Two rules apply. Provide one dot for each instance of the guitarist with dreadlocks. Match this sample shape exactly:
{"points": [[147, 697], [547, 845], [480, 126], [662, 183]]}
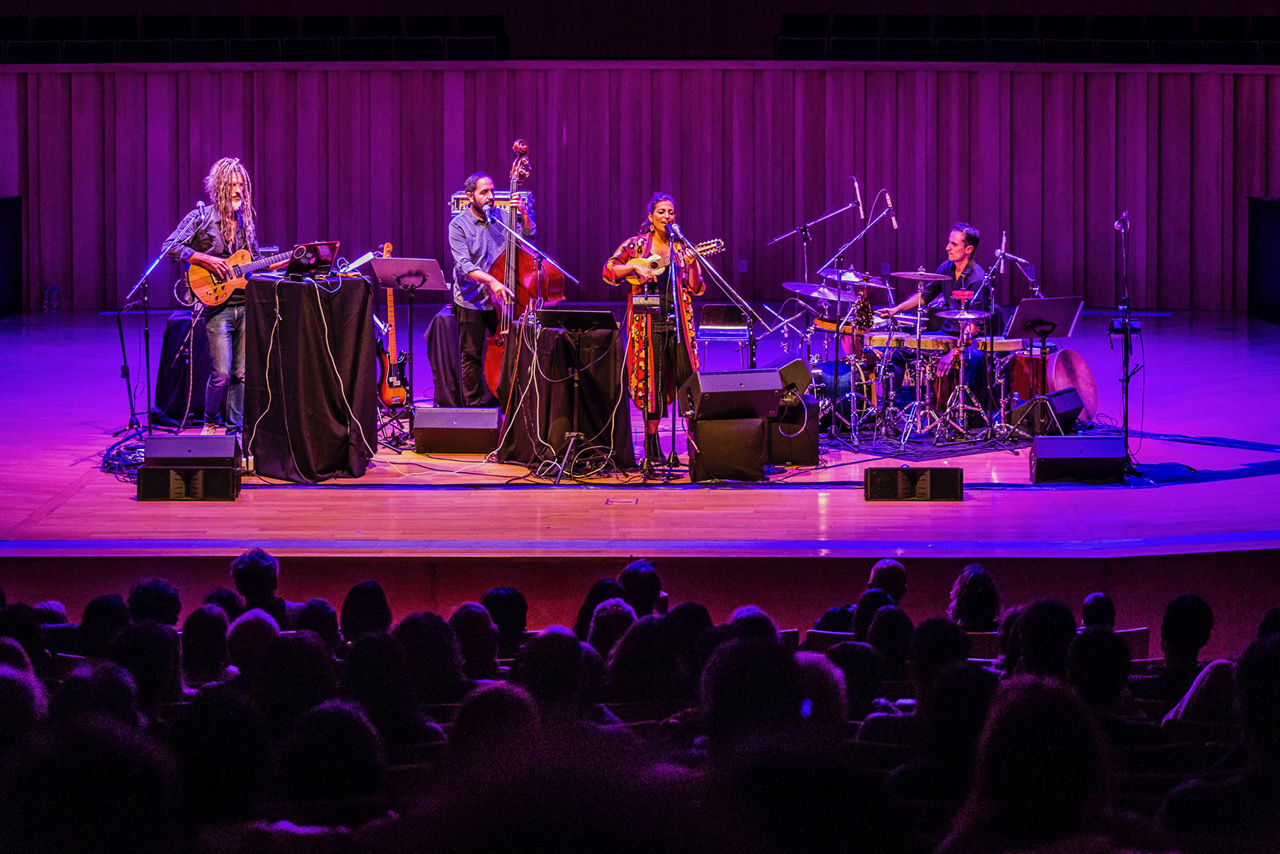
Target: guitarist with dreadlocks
{"points": [[206, 237]]}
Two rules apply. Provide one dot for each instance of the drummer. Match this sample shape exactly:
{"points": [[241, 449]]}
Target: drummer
{"points": [[963, 274]]}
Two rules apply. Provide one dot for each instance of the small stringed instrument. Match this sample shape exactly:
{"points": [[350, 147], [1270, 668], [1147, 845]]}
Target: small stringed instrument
{"points": [[212, 291], [657, 263], [392, 376]]}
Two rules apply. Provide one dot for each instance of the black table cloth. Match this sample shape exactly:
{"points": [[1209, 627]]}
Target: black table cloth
{"points": [[310, 407], [536, 394]]}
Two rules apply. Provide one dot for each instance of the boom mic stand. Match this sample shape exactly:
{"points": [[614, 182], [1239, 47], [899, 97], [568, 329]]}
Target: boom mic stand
{"points": [[1127, 329], [143, 284]]}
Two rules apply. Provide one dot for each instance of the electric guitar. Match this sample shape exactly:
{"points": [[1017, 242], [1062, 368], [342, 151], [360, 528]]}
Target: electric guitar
{"points": [[657, 264], [212, 291], [392, 388]]}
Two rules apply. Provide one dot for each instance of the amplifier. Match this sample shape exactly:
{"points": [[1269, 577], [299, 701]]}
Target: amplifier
{"points": [[188, 483], [501, 198], [1094, 459], [913, 484], [194, 450], [462, 430], [731, 394], [732, 449]]}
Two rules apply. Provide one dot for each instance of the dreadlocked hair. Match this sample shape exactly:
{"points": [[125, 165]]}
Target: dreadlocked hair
{"points": [[218, 185]]}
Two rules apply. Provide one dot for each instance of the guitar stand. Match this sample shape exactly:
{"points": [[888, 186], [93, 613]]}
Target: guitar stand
{"points": [[390, 433]]}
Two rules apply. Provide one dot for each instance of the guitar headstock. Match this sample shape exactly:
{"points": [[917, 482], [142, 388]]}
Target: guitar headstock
{"points": [[386, 250], [710, 247]]}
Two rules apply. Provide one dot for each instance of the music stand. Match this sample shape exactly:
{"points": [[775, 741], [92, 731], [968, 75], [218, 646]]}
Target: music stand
{"points": [[1041, 317], [577, 320], [409, 275]]}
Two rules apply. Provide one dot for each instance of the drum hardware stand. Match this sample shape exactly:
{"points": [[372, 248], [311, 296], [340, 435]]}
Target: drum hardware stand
{"points": [[1040, 402], [1127, 327], [1043, 317], [805, 236]]}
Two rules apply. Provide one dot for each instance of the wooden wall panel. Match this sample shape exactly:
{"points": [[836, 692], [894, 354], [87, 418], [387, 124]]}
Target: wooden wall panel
{"points": [[112, 157]]}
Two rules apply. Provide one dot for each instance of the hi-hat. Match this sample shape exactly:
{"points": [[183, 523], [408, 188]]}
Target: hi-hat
{"points": [[966, 314], [921, 276], [850, 277], [816, 291]]}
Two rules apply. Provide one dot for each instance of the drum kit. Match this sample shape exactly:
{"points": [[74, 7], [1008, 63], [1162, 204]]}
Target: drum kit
{"points": [[927, 395]]}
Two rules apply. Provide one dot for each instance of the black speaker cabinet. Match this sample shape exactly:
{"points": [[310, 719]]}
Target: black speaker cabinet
{"points": [[793, 437], [11, 255], [1066, 404], [1093, 459], [1264, 277], [193, 451], [913, 484], [795, 375], [732, 449], [444, 430], [731, 394], [187, 483]]}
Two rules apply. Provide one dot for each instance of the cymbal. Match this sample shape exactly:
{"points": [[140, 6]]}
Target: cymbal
{"points": [[817, 291], [916, 276], [966, 314], [850, 277]]}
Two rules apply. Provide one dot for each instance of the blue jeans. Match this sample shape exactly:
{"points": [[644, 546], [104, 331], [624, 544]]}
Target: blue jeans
{"points": [[226, 371]]}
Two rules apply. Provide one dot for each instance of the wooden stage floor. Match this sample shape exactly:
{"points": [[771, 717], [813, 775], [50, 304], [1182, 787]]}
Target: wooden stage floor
{"points": [[1207, 446]]}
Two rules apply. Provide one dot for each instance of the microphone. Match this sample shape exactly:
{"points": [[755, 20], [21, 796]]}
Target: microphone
{"points": [[1122, 224], [1012, 257], [893, 218], [488, 210], [1004, 247], [674, 229], [862, 212]]}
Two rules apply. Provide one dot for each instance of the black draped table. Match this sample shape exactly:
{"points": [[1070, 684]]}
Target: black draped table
{"points": [[537, 395], [310, 403]]}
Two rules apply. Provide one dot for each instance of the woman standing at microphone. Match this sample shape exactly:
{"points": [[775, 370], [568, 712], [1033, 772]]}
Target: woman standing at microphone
{"points": [[664, 277]]}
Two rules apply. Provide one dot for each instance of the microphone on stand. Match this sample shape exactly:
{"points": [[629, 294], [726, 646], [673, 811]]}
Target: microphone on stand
{"points": [[1122, 224], [893, 218], [857, 191], [674, 229], [1004, 247]]}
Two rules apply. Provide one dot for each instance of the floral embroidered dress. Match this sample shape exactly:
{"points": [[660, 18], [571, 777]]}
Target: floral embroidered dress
{"points": [[640, 326]]}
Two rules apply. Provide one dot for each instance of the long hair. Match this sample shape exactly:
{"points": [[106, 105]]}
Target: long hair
{"points": [[647, 226], [218, 185]]}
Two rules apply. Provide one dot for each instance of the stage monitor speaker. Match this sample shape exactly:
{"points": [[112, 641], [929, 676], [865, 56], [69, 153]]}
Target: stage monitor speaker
{"points": [[188, 483], [1089, 459], [193, 451], [913, 484], [793, 437], [720, 395], [796, 378], [1066, 404], [463, 430], [732, 449]]}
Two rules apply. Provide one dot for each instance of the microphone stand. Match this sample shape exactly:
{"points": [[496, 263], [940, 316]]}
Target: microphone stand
{"points": [[134, 427], [805, 237], [1127, 330]]}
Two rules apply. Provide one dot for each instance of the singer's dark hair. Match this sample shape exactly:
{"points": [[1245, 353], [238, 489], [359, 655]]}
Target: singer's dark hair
{"points": [[472, 180], [970, 233], [646, 226]]}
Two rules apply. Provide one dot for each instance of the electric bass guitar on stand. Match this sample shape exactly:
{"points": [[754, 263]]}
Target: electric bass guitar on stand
{"points": [[392, 376]]}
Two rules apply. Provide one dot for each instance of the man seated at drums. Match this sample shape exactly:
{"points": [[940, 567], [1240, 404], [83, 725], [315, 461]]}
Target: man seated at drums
{"points": [[964, 276]]}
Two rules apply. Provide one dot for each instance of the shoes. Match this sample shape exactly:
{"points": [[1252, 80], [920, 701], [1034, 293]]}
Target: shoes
{"points": [[208, 429], [233, 430]]}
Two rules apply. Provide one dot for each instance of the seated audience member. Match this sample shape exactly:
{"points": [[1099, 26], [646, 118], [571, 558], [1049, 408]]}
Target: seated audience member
{"points": [[250, 636], [23, 705], [1041, 778], [951, 719], [1045, 631], [1010, 646], [862, 667], [1213, 698], [1098, 668], [155, 599], [750, 622], [890, 635], [1238, 812], [935, 643], [297, 673], [751, 692], [93, 785], [376, 677], [318, 616], [1184, 630], [601, 591], [433, 657], [204, 647], [102, 618], [975, 602], [13, 655], [683, 625], [228, 600], [149, 651], [19, 622], [610, 622], [257, 576], [1098, 610], [365, 611], [478, 640], [224, 756], [333, 769], [641, 587], [642, 665], [887, 575], [1269, 624], [510, 612], [824, 707], [872, 601], [496, 735], [101, 688], [50, 612]]}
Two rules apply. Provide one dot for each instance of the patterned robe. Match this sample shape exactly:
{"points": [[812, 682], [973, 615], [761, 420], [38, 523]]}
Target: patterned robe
{"points": [[639, 326]]}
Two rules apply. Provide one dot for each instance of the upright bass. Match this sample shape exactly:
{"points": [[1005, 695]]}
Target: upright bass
{"points": [[532, 282]]}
